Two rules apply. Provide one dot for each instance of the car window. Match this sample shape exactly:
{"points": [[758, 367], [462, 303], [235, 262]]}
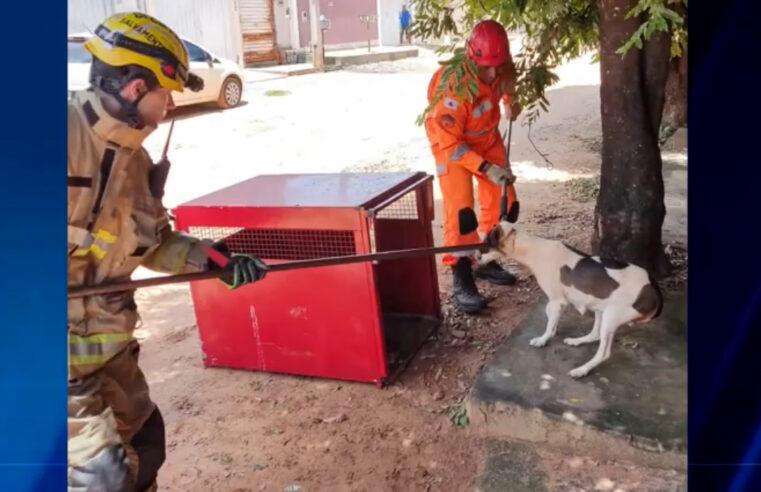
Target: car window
{"points": [[195, 53], [78, 53]]}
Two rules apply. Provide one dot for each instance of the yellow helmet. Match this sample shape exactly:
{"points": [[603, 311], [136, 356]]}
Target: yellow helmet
{"points": [[140, 40]]}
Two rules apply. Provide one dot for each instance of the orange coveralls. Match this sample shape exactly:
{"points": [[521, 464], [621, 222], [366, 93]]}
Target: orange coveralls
{"points": [[462, 135]]}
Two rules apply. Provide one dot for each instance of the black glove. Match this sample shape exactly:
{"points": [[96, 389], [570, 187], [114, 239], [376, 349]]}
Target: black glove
{"points": [[240, 269]]}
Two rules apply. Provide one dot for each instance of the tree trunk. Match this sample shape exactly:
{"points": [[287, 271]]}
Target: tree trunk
{"points": [[675, 109], [630, 206]]}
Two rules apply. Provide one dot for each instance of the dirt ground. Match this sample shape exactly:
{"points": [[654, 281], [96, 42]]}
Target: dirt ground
{"points": [[246, 431]]}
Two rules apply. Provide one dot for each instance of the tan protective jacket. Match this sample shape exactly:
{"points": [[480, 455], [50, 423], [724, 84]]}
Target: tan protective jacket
{"points": [[115, 224]]}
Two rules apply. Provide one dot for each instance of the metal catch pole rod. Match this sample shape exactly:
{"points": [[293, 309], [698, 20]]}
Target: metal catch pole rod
{"points": [[503, 198], [84, 291], [168, 138]]}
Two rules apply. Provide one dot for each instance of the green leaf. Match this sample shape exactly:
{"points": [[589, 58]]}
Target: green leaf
{"points": [[473, 86], [650, 27], [672, 16]]}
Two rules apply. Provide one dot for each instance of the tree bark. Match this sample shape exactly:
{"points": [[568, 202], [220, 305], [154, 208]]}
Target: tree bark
{"points": [[675, 109], [630, 206]]}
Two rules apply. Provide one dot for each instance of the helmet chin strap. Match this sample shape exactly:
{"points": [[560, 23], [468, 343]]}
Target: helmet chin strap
{"points": [[129, 111]]}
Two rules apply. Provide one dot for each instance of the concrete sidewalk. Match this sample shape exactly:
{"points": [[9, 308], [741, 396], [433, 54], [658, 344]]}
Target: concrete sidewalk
{"points": [[339, 58], [633, 407], [377, 54]]}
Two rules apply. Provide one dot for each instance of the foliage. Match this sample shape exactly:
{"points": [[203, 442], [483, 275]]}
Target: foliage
{"points": [[659, 18], [455, 80], [554, 31]]}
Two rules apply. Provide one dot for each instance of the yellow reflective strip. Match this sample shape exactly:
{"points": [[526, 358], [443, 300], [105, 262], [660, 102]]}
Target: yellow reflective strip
{"points": [[105, 235], [83, 360], [101, 338], [94, 248], [97, 251]]}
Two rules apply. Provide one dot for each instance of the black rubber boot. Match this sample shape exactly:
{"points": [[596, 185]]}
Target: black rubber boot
{"points": [[495, 274], [465, 291]]}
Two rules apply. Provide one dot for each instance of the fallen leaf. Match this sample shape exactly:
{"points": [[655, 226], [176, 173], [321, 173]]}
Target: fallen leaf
{"points": [[337, 419]]}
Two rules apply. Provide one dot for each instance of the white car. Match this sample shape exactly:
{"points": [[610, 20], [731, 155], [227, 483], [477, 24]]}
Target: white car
{"points": [[223, 79]]}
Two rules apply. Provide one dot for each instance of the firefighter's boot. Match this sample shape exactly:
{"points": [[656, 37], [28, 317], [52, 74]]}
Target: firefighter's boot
{"points": [[495, 274], [465, 291]]}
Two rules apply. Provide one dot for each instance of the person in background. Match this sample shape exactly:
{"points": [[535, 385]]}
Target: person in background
{"points": [[405, 19]]}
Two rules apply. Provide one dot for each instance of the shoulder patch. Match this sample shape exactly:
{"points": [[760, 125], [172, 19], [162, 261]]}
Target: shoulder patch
{"points": [[450, 103]]}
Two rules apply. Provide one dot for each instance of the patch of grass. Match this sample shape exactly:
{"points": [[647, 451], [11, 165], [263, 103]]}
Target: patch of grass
{"points": [[458, 415], [583, 189], [276, 93]]}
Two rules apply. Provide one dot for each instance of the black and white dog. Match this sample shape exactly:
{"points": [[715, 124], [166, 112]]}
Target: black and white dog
{"points": [[615, 291]]}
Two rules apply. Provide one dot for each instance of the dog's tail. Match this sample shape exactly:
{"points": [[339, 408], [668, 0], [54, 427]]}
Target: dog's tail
{"points": [[658, 292], [649, 302]]}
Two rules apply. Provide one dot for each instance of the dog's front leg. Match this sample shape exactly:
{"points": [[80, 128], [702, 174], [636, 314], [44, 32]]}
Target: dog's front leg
{"points": [[553, 310], [592, 336]]}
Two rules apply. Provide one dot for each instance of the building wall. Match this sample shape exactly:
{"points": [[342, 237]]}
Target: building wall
{"points": [[85, 15], [283, 12], [345, 26], [210, 23]]}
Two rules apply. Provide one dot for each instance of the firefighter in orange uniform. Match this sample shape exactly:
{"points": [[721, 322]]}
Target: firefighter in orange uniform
{"points": [[465, 141]]}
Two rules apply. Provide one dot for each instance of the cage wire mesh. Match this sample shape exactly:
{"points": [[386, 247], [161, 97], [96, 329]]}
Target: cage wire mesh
{"points": [[281, 244], [405, 208]]}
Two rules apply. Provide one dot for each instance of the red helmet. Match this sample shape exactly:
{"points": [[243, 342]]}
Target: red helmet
{"points": [[487, 44]]}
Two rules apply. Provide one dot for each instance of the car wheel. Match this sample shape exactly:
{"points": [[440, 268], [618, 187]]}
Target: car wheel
{"points": [[231, 93]]}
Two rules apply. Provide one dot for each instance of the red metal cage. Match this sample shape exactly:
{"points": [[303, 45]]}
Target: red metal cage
{"points": [[360, 322]]}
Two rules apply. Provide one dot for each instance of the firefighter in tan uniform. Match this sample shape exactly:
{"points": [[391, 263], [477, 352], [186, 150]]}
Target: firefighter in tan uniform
{"points": [[116, 222]]}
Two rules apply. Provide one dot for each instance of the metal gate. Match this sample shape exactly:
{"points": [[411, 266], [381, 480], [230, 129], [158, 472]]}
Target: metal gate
{"points": [[257, 25]]}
